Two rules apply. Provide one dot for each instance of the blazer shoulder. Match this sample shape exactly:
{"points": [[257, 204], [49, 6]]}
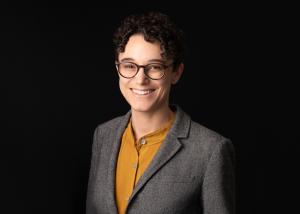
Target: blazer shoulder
{"points": [[206, 137], [110, 124], [208, 142]]}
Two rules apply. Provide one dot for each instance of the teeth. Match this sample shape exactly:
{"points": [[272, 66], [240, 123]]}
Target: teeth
{"points": [[142, 92]]}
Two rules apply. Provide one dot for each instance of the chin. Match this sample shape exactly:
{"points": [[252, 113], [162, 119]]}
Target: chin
{"points": [[141, 108]]}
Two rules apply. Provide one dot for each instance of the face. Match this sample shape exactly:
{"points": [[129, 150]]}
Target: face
{"points": [[144, 94]]}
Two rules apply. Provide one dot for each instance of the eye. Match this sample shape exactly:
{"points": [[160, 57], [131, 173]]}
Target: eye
{"points": [[157, 67], [128, 66]]}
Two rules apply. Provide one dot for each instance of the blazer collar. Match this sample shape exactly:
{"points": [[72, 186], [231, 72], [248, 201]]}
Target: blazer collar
{"points": [[167, 151], [181, 126], [111, 179]]}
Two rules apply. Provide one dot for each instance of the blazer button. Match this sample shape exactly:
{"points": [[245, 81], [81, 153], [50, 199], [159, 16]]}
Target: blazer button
{"points": [[134, 165]]}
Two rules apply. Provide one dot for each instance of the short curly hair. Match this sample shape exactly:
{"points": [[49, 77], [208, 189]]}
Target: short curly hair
{"points": [[154, 26]]}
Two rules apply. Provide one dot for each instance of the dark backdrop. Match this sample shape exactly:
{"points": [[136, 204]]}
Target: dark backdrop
{"points": [[59, 82]]}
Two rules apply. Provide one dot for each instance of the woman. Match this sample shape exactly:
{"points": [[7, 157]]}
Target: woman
{"points": [[155, 159]]}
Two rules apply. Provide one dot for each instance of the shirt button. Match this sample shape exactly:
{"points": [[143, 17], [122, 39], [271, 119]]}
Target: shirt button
{"points": [[127, 198], [134, 165], [143, 141]]}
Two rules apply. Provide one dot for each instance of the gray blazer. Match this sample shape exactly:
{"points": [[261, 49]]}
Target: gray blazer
{"points": [[192, 172]]}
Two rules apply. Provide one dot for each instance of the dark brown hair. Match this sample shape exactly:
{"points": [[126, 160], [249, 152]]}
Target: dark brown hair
{"points": [[154, 26]]}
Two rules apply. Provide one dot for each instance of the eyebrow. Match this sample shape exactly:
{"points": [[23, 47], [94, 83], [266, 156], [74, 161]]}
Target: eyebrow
{"points": [[149, 61]]}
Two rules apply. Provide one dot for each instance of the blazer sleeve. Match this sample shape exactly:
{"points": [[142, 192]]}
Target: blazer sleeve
{"points": [[92, 173], [218, 190]]}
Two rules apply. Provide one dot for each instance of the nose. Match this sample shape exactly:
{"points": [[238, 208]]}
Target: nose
{"points": [[140, 77]]}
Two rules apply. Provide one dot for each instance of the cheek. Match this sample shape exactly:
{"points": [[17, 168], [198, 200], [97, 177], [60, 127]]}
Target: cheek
{"points": [[122, 82], [165, 88], [124, 86], [167, 84], [121, 86]]}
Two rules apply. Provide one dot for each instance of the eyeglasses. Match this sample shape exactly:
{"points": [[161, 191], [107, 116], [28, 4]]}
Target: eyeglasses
{"points": [[154, 71]]}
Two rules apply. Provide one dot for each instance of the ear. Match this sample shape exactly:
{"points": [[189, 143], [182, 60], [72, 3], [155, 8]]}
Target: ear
{"points": [[177, 73]]}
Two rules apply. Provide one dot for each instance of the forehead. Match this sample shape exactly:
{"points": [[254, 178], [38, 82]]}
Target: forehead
{"points": [[140, 50]]}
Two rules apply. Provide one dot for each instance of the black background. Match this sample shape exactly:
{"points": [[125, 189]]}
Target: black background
{"points": [[59, 82]]}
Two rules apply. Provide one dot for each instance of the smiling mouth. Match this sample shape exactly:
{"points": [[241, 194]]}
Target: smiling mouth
{"points": [[142, 92]]}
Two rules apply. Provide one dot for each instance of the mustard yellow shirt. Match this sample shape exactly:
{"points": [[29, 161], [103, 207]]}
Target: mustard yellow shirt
{"points": [[134, 158]]}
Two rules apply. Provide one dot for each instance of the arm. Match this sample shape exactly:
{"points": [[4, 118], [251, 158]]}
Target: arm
{"points": [[92, 172], [218, 190]]}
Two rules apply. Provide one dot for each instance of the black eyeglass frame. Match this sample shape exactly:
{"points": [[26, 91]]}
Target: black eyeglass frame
{"points": [[144, 69]]}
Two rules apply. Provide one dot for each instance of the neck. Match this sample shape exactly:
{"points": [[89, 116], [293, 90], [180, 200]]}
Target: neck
{"points": [[147, 122]]}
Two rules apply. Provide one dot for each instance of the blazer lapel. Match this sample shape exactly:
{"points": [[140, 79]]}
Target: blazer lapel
{"points": [[168, 149], [116, 142]]}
